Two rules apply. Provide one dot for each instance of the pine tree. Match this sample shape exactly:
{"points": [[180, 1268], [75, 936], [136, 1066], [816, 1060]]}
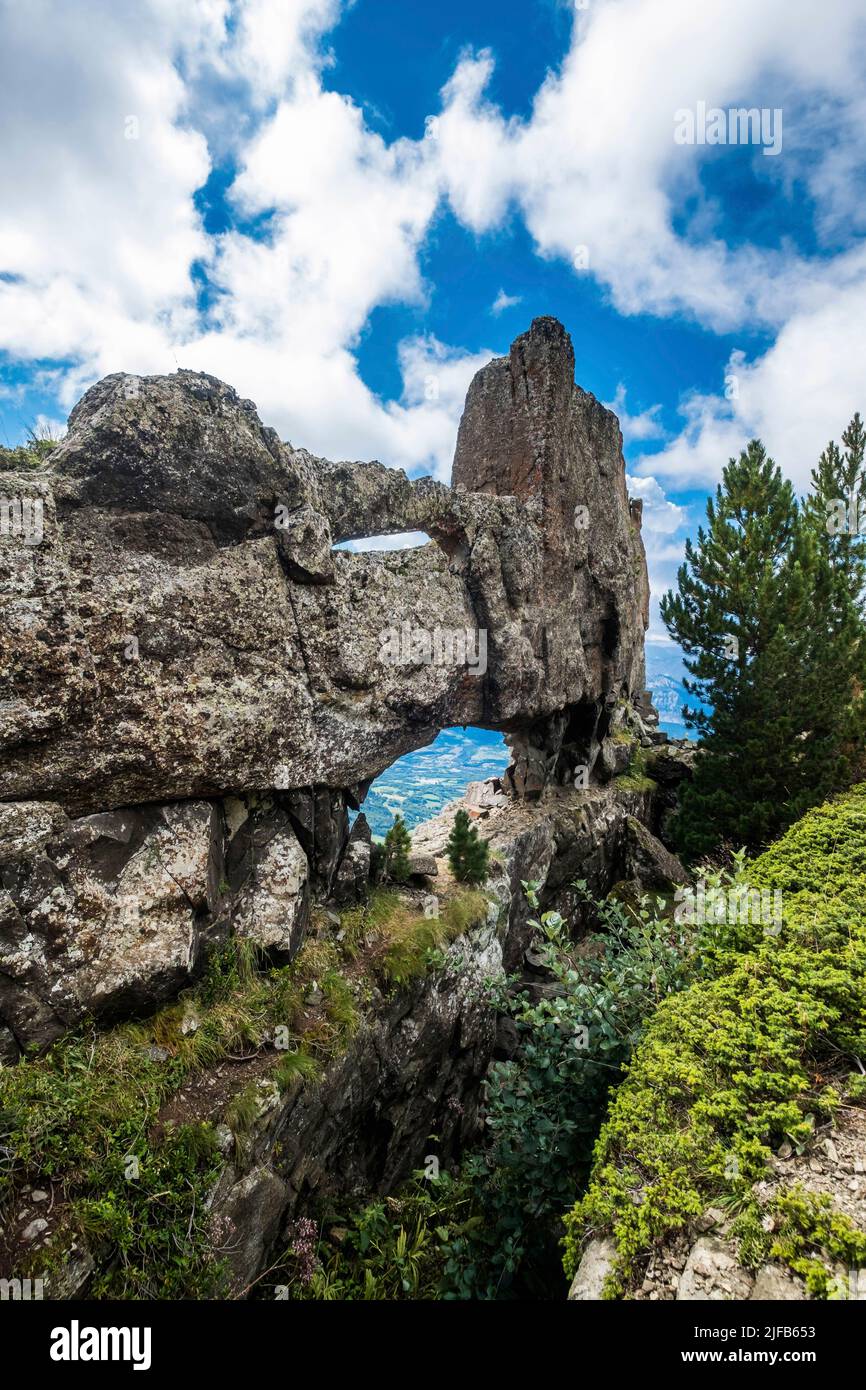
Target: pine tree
{"points": [[467, 853], [772, 643], [837, 506], [836, 512], [398, 843]]}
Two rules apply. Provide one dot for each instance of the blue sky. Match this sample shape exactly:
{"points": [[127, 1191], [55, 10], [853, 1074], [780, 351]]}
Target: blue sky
{"points": [[334, 205]]}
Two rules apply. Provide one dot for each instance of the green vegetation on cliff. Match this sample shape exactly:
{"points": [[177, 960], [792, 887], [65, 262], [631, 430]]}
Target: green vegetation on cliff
{"points": [[114, 1123], [740, 1060], [30, 455]]}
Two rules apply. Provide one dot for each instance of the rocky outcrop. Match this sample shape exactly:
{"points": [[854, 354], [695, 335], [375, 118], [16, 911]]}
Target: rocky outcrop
{"points": [[104, 914], [571, 834], [111, 914], [185, 630], [409, 1089], [197, 688]]}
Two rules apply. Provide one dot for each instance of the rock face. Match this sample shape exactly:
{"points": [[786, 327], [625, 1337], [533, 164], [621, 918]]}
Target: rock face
{"points": [[111, 914], [106, 914], [195, 688]]}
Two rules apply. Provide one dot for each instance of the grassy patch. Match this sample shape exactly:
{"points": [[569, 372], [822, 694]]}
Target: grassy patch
{"points": [[413, 939], [33, 454], [85, 1117], [400, 940], [81, 1117]]}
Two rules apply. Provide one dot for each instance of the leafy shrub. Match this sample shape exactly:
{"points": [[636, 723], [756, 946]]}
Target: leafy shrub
{"points": [[544, 1107], [395, 1248]]}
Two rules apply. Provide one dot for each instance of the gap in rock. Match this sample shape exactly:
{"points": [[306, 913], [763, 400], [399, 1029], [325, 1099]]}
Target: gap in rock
{"points": [[418, 785], [403, 540]]}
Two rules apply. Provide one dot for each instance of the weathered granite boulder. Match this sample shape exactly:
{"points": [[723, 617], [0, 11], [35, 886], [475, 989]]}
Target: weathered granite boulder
{"points": [[423, 866], [713, 1273], [112, 914]]}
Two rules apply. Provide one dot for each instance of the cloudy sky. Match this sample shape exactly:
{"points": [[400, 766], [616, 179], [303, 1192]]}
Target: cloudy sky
{"points": [[344, 209]]}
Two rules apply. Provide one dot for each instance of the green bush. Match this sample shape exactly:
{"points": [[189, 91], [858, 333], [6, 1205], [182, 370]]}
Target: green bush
{"points": [[735, 1063], [395, 1248], [33, 454], [398, 843], [544, 1107]]}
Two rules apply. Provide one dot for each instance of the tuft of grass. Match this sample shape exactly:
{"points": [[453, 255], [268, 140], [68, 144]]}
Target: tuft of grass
{"points": [[242, 1110], [296, 1066], [32, 454], [413, 939], [402, 938], [636, 777]]}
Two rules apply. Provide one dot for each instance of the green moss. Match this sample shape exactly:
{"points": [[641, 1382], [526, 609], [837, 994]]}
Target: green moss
{"points": [[636, 777], [810, 1235], [731, 1066]]}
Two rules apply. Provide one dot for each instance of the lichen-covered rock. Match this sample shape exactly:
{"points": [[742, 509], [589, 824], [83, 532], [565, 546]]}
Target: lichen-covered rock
{"points": [[596, 1264], [268, 872], [245, 1222], [107, 914], [776, 1284], [353, 874], [648, 862]]}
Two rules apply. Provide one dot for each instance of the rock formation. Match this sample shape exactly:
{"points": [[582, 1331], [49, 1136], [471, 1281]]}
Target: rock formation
{"points": [[195, 687]]}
